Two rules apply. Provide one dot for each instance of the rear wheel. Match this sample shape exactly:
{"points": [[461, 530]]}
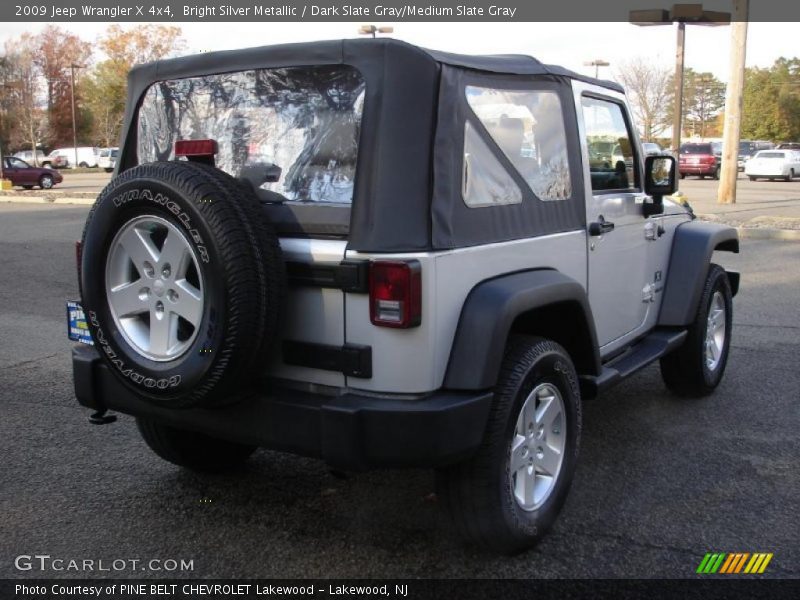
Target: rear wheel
{"points": [[83, 165], [790, 176], [696, 367], [751, 178], [716, 173], [191, 449], [510, 492], [46, 182]]}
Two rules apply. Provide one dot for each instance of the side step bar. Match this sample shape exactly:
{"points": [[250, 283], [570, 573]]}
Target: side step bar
{"points": [[647, 350]]}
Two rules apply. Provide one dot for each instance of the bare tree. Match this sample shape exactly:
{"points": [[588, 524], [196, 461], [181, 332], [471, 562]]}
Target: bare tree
{"points": [[23, 93], [648, 88]]}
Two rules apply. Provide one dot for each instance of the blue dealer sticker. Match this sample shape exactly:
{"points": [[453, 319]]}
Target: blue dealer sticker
{"points": [[77, 328]]}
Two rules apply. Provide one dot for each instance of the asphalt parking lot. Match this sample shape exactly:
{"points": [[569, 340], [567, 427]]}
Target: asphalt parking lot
{"points": [[661, 481]]}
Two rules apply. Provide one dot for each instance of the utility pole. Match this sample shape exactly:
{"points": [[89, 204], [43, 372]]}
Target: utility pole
{"points": [[72, 68], [726, 193]]}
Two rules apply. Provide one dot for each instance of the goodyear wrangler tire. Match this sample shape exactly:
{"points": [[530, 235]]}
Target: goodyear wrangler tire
{"points": [[509, 493], [181, 282]]}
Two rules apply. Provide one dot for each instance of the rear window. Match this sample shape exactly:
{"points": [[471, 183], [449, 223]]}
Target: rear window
{"points": [[696, 149], [293, 132]]}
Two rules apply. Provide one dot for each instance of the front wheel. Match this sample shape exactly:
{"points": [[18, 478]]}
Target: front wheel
{"points": [[751, 178], [510, 492], [716, 173], [46, 182], [696, 367], [195, 451]]}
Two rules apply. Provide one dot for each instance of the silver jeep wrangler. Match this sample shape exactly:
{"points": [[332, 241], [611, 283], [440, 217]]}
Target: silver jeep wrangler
{"points": [[381, 255]]}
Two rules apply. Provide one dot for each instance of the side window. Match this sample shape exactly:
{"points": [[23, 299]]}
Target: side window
{"points": [[485, 181], [17, 163], [612, 164], [528, 126]]}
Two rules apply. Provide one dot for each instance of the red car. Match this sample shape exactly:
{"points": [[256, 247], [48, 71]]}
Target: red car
{"points": [[700, 159], [22, 174]]}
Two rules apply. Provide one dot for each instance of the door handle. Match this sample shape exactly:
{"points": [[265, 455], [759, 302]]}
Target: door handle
{"points": [[600, 226]]}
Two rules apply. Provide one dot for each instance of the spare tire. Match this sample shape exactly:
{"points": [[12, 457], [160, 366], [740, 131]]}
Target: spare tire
{"points": [[182, 282]]}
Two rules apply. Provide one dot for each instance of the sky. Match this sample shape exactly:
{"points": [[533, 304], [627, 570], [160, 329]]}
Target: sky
{"points": [[566, 44]]}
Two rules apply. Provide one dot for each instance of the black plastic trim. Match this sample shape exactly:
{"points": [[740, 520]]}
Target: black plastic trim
{"points": [[350, 276], [353, 360], [692, 248], [650, 348], [348, 431], [488, 314]]}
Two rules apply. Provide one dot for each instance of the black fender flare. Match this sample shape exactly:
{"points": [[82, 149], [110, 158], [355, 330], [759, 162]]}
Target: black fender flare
{"points": [[692, 247], [490, 310]]}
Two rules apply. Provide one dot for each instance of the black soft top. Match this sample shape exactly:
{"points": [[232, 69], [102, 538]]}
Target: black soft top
{"points": [[343, 51], [404, 199]]}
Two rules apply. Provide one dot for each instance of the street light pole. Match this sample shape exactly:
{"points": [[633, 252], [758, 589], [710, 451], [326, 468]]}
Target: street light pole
{"points": [[677, 118], [374, 31], [597, 63], [681, 14]]}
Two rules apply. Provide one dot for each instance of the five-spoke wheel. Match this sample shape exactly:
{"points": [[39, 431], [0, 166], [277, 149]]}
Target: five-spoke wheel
{"points": [[154, 287]]}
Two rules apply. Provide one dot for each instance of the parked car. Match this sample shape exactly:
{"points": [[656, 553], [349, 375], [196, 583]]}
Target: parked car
{"points": [[453, 313], [748, 148], [107, 159], [55, 160], [35, 159], [86, 156], [652, 149], [773, 164], [24, 175], [701, 159], [788, 146]]}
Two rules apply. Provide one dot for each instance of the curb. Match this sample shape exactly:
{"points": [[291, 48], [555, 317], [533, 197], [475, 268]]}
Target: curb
{"points": [[42, 200], [759, 233]]}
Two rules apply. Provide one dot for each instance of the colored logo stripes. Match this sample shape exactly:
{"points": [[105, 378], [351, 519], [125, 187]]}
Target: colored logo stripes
{"points": [[734, 562]]}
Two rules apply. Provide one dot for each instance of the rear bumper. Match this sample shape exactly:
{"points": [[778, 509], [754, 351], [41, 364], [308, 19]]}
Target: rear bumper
{"points": [[347, 431], [697, 169]]}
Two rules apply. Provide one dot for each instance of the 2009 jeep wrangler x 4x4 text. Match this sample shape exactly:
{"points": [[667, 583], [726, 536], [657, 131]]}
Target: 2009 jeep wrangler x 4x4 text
{"points": [[381, 255]]}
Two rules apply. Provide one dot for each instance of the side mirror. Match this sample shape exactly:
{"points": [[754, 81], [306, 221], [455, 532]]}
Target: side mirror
{"points": [[659, 181]]}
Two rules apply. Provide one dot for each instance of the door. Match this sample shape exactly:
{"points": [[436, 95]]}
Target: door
{"points": [[617, 265], [20, 172]]}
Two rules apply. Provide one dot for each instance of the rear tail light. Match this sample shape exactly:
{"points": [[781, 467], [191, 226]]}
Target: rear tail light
{"points": [[395, 293], [201, 150]]}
